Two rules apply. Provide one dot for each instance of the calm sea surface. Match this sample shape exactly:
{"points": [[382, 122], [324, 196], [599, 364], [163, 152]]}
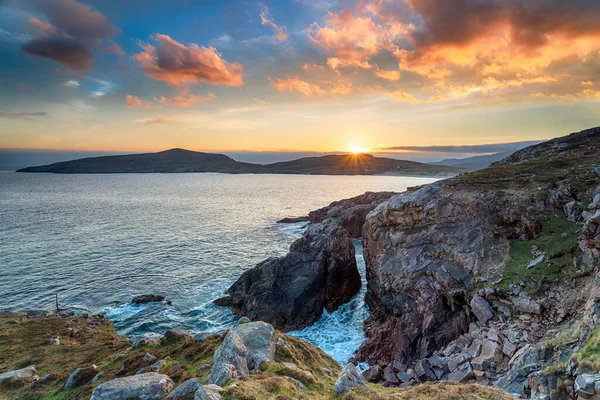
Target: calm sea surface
{"points": [[99, 240]]}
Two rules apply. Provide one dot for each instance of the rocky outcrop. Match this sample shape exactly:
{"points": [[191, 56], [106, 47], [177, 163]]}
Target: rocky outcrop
{"points": [[149, 386], [186, 390], [349, 213], [455, 252], [147, 298], [244, 349], [291, 292]]}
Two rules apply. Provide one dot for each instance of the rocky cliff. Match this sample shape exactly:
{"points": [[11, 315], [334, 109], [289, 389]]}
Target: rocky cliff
{"points": [[468, 277]]}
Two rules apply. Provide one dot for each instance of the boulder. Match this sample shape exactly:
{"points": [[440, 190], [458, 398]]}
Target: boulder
{"points": [[462, 374], [348, 379], [585, 385], [232, 353], [81, 376], [185, 391], [208, 392], [149, 386], [259, 340], [175, 335], [482, 309], [424, 372], [290, 292], [390, 376], [245, 348], [18, 374], [147, 298], [373, 374], [525, 305]]}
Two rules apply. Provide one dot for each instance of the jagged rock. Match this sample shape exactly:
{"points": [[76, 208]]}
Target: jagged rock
{"points": [[462, 374], [390, 376], [149, 386], [487, 356], [351, 213], [185, 391], [147, 298], [81, 376], [149, 357], [175, 335], [373, 374], [291, 292], [259, 340], [208, 392], [586, 385], [154, 367], [475, 348], [348, 379], [232, 353], [457, 360], [482, 309], [404, 377], [537, 261], [525, 305], [306, 375], [509, 349], [424, 372], [18, 374], [245, 348]]}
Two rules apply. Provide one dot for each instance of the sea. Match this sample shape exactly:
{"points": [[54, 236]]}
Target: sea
{"points": [[96, 241]]}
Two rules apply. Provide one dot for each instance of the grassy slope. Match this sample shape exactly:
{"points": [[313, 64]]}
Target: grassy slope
{"points": [[25, 341]]}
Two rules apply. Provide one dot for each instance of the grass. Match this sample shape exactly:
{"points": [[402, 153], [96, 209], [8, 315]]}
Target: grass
{"points": [[558, 240], [25, 341], [588, 357]]}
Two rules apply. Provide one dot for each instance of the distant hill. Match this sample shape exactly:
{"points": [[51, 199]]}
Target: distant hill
{"points": [[484, 161], [180, 161]]}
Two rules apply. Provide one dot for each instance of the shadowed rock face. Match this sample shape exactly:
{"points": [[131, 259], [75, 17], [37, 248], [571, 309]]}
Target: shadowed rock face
{"points": [[291, 292]]}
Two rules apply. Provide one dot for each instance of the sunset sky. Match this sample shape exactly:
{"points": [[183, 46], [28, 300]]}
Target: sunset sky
{"points": [[298, 75]]}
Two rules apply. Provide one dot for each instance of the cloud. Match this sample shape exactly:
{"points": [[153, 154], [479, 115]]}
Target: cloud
{"points": [[281, 32], [295, 84], [260, 101], [388, 75], [466, 149], [21, 115], [158, 119], [72, 83], [178, 64], [72, 31], [185, 100], [135, 102]]}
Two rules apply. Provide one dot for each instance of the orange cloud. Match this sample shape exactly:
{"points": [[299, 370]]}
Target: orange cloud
{"points": [[350, 41], [158, 119], [185, 100], [178, 65], [388, 75], [135, 102], [281, 32], [295, 84]]}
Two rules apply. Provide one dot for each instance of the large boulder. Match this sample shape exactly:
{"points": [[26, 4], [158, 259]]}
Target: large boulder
{"points": [[18, 374], [208, 392], [244, 349], [481, 308], [291, 292], [148, 386], [348, 379]]}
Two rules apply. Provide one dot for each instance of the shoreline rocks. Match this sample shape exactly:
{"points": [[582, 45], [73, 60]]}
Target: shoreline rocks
{"points": [[291, 292]]}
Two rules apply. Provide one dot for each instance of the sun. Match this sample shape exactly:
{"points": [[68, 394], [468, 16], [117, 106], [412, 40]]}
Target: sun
{"points": [[355, 149]]}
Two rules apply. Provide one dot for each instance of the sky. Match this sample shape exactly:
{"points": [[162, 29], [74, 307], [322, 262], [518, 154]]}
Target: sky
{"points": [[295, 75]]}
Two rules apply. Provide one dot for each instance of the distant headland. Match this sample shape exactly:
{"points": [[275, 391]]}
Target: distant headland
{"points": [[186, 161]]}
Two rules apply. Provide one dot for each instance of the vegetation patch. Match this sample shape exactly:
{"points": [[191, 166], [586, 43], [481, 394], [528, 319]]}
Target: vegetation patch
{"points": [[558, 240]]}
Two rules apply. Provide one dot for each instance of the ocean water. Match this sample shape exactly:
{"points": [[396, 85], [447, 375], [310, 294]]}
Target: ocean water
{"points": [[98, 240]]}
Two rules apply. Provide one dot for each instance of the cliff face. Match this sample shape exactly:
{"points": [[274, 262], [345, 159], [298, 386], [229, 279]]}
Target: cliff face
{"points": [[484, 251]]}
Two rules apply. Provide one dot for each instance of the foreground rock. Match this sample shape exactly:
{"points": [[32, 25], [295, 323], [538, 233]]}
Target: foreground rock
{"points": [[291, 292], [349, 379], [148, 386], [208, 392], [18, 374], [81, 376], [243, 351]]}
